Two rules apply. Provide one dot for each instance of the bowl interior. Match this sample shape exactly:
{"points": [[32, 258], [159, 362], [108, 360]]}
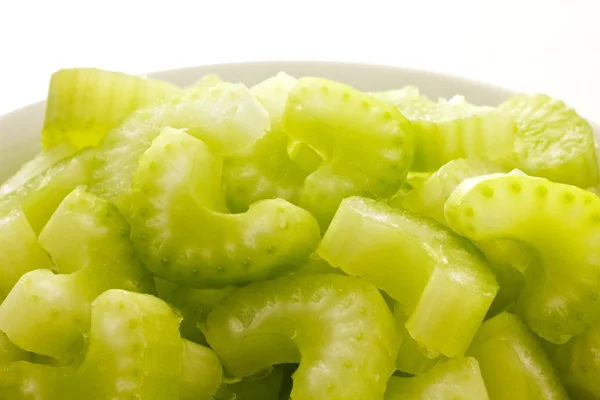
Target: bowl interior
{"points": [[19, 130]]}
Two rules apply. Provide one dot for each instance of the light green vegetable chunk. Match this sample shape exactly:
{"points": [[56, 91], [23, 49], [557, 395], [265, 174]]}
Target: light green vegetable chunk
{"points": [[134, 352], [36, 166], [366, 144], [429, 199], [552, 141], [201, 372], [560, 296], [59, 305], [255, 387], [513, 362], [455, 379], [177, 195], [411, 357], [508, 259], [578, 364], [85, 103], [20, 249], [265, 170], [39, 197], [449, 129], [339, 328], [195, 305], [225, 116], [441, 280]]}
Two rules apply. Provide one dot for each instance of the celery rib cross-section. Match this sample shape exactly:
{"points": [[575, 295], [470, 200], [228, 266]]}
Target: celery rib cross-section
{"points": [[339, 328], [442, 282], [183, 232], [561, 222], [366, 144]]}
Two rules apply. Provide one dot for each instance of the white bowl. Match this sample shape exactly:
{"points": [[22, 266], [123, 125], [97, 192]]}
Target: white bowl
{"points": [[20, 129]]}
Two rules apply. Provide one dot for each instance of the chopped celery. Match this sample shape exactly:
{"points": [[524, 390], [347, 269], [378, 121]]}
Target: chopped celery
{"points": [[339, 328], [513, 362], [450, 129], [177, 195], [441, 280], [562, 222], [366, 144], [85, 103]]}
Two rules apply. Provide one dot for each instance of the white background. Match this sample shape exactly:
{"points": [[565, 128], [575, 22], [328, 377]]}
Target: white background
{"points": [[528, 45]]}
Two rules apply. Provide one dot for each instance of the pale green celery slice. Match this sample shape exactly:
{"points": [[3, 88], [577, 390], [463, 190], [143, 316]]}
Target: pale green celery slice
{"points": [[454, 379], [37, 165], [442, 281], [201, 372], [39, 197], [578, 365], [195, 305], [449, 129], [414, 180], [134, 352], [225, 116], [411, 357], [339, 328], [205, 82], [366, 144], [85, 103], [552, 141], [20, 249], [265, 170], [562, 223], [513, 362], [177, 194], [508, 259], [86, 235]]}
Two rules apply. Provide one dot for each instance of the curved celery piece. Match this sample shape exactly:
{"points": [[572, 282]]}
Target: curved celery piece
{"points": [[508, 259], [195, 305], [430, 197], [552, 141], [304, 155], [366, 144], [37, 165], [411, 357], [578, 365], [225, 116], [441, 280], [265, 170], [255, 387], [59, 305], [20, 249], [134, 352], [458, 378], [85, 103], [339, 328], [449, 129], [560, 295], [10, 353], [201, 372], [177, 195], [39, 197], [513, 362]]}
